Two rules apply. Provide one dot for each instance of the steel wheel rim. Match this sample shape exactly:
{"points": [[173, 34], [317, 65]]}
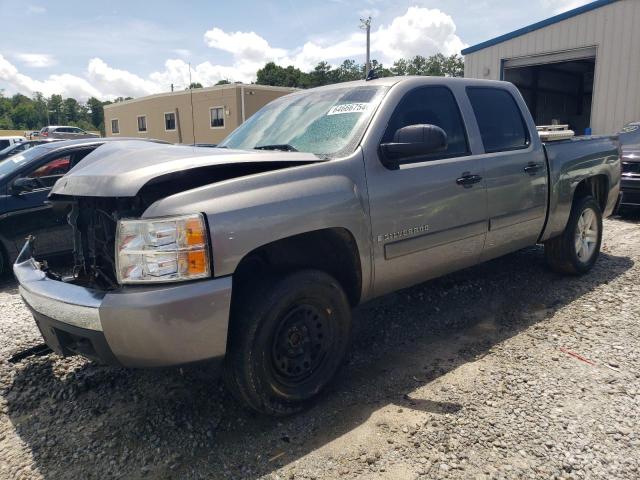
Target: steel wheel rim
{"points": [[300, 344], [587, 233]]}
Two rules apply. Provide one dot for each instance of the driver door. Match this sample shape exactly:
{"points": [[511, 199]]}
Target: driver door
{"points": [[29, 213], [429, 216]]}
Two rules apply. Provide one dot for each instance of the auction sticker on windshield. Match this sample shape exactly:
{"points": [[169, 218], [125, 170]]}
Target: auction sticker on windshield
{"points": [[348, 108], [18, 158]]}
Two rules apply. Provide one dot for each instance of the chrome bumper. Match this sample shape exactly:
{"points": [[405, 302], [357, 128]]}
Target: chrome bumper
{"points": [[143, 326]]}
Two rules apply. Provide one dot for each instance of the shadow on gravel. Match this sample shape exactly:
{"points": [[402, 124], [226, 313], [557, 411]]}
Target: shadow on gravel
{"points": [[629, 216], [81, 420]]}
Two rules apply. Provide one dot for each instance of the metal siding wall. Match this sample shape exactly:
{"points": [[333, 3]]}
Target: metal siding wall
{"points": [[614, 29]]}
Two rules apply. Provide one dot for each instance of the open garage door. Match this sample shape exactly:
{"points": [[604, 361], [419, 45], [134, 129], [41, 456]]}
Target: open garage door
{"points": [[556, 87]]}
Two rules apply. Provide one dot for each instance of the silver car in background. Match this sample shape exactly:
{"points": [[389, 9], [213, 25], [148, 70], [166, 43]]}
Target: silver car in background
{"points": [[66, 132]]}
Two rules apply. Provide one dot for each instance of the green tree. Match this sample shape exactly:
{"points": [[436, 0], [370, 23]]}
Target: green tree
{"points": [[272, 74], [56, 109], [96, 112], [223, 82], [194, 85], [436, 65], [40, 104], [71, 110], [321, 75], [24, 116]]}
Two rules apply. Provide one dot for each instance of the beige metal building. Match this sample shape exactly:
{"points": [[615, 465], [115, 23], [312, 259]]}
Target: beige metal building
{"points": [[201, 115], [581, 67]]}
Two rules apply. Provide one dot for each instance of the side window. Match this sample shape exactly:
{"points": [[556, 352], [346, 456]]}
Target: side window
{"points": [[115, 126], [434, 106], [217, 117], [46, 175], [4, 144], [169, 121], [142, 123], [499, 119]]}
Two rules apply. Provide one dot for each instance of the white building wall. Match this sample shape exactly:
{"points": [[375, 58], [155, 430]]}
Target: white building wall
{"points": [[614, 29]]}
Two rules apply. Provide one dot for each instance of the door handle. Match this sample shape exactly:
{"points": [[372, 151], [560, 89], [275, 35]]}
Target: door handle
{"points": [[532, 168], [467, 180]]}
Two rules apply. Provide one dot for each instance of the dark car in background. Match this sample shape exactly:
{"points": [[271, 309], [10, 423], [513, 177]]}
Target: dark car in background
{"points": [[630, 156], [17, 148], [25, 182]]}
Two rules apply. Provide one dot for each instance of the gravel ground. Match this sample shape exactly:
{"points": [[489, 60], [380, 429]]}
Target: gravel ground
{"points": [[504, 370]]}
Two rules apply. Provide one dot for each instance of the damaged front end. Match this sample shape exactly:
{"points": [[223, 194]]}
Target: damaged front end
{"points": [[93, 222]]}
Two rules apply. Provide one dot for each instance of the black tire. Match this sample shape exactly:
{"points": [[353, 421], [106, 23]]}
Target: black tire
{"points": [[563, 253], [287, 339], [5, 265]]}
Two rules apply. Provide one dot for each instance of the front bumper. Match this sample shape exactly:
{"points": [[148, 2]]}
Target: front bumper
{"points": [[150, 326], [630, 188]]}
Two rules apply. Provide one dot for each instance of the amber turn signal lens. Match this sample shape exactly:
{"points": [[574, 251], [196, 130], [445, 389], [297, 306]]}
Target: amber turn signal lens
{"points": [[197, 262], [195, 231]]}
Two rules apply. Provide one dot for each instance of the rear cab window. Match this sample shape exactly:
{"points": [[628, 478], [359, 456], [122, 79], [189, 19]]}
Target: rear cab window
{"points": [[502, 127]]}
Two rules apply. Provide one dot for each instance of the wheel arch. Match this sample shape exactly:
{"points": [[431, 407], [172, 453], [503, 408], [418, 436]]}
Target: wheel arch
{"points": [[565, 195], [331, 250], [596, 186]]}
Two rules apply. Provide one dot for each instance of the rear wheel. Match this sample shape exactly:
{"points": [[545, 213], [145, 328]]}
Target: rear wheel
{"points": [[287, 340], [576, 250]]}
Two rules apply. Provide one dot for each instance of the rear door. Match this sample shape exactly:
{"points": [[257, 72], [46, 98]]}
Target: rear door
{"points": [[64, 132], [425, 220], [515, 171]]}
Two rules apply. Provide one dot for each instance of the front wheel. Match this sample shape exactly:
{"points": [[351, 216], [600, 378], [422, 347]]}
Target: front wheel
{"points": [[576, 250], [287, 339]]}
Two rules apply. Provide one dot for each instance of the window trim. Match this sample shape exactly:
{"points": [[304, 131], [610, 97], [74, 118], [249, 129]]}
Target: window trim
{"points": [[146, 128], [224, 123], [175, 122], [527, 134], [117, 120], [434, 156]]}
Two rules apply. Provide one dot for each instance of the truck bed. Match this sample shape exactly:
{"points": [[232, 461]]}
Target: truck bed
{"points": [[572, 160]]}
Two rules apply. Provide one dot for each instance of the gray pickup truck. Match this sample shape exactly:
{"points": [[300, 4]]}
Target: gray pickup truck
{"points": [[255, 252]]}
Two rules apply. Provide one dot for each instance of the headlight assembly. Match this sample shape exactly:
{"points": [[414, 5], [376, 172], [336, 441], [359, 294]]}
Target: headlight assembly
{"points": [[169, 249]]}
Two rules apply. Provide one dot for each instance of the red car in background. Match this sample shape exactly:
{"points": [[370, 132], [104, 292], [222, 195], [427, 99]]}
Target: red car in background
{"points": [[57, 167]]}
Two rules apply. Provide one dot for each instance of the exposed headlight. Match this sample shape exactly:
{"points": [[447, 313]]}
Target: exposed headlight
{"points": [[169, 249]]}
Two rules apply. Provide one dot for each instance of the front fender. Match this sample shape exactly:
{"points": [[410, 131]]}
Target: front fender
{"points": [[249, 212]]}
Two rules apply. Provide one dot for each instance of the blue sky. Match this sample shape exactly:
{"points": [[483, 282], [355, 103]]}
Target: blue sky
{"points": [[135, 48]]}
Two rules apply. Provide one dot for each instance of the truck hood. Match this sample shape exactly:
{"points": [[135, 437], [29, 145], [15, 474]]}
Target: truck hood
{"points": [[122, 169]]}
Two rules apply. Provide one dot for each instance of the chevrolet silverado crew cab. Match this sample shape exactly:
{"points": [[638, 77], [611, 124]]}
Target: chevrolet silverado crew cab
{"points": [[256, 251]]}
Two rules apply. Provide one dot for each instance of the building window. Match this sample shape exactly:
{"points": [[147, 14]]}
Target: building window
{"points": [[142, 123], [217, 117], [115, 126], [169, 121]]}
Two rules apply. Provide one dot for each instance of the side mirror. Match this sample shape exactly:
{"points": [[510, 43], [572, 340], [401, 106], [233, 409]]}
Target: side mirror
{"points": [[21, 185], [413, 141]]}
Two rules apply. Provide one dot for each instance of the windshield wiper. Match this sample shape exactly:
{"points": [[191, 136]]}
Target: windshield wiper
{"points": [[284, 147]]}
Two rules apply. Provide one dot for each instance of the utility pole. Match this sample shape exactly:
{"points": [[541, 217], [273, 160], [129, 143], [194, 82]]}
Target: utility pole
{"points": [[365, 24], [193, 121]]}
